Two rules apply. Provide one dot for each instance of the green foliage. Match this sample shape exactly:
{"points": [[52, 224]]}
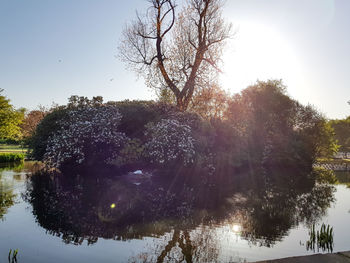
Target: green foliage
{"points": [[13, 166], [77, 102], [273, 128], [10, 120], [135, 115], [7, 199], [260, 126], [342, 133], [131, 154], [323, 175], [322, 238], [11, 157], [327, 144]]}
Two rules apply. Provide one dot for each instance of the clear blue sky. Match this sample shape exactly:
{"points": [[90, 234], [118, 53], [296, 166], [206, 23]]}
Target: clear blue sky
{"points": [[50, 50]]}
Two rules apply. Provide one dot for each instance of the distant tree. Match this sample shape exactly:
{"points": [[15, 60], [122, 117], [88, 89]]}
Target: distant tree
{"points": [[31, 120], [75, 101], [174, 52], [10, 120], [210, 102], [276, 128], [342, 132]]}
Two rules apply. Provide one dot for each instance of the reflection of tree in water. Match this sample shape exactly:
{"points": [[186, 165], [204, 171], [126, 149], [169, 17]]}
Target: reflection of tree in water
{"points": [[183, 246], [7, 196], [267, 219], [7, 199], [184, 228]]}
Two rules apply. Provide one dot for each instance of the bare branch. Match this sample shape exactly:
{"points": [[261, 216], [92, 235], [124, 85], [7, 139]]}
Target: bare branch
{"points": [[180, 52]]}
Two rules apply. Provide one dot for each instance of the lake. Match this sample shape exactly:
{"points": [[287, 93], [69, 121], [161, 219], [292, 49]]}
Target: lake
{"points": [[143, 218]]}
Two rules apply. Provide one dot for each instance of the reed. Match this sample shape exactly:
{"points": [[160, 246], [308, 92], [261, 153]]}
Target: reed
{"points": [[12, 257], [320, 239]]}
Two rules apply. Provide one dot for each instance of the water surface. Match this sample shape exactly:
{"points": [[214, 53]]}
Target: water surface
{"points": [[127, 219]]}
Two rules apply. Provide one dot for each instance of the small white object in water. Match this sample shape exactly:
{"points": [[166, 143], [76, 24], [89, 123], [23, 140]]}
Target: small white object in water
{"points": [[138, 172], [137, 183]]}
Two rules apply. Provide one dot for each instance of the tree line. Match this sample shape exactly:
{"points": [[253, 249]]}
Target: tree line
{"points": [[179, 55]]}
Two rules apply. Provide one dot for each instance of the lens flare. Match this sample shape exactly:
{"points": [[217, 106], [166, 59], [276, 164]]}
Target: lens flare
{"points": [[236, 228]]}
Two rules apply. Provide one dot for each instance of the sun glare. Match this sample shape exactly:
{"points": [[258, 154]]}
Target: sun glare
{"points": [[259, 52], [236, 228]]}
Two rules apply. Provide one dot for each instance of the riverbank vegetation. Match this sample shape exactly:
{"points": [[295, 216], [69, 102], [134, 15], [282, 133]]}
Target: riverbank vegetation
{"points": [[261, 126], [11, 157], [342, 133]]}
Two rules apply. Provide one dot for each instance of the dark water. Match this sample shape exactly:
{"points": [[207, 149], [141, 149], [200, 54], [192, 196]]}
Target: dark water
{"points": [[139, 218]]}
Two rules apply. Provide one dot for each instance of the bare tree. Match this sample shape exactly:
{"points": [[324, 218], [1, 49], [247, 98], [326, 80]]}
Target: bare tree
{"points": [[177, 52]]}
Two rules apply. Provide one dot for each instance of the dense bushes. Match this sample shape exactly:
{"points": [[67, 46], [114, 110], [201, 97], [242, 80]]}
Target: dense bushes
{"points": [[275, 129], [46, 128], [169, 140], [122, 133], [11, 157], [260, 126], [87, 135], [342, 133]]}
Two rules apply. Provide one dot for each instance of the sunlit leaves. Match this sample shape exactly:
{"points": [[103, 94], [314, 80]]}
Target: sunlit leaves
{"points": [[10, 119]]}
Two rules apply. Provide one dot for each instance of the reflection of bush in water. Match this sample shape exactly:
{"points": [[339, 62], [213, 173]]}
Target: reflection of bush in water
{"points": [[263, 220], [266, 219], [79, 208], [93, 207]]}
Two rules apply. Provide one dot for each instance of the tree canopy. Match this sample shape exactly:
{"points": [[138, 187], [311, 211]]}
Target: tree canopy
{"points": [[342, 133], [10, 119]]}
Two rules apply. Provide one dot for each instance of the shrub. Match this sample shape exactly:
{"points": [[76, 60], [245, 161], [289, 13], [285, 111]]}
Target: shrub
{"points": [[135, 115], [169, 140], [132, 154], [11, 157], [323, 175], [49, 125], [88, 135]]}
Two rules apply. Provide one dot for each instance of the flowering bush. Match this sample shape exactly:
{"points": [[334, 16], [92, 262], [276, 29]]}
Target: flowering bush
{"points": [[86, 134], [169, 140]]}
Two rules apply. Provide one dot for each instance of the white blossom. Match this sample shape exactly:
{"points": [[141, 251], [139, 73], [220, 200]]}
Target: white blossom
{"points": [[169, 140], [85, 130]]}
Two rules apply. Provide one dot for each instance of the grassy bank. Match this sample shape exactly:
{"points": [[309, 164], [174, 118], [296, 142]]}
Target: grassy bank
{"points": [[12, 153], [12, 148]]}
